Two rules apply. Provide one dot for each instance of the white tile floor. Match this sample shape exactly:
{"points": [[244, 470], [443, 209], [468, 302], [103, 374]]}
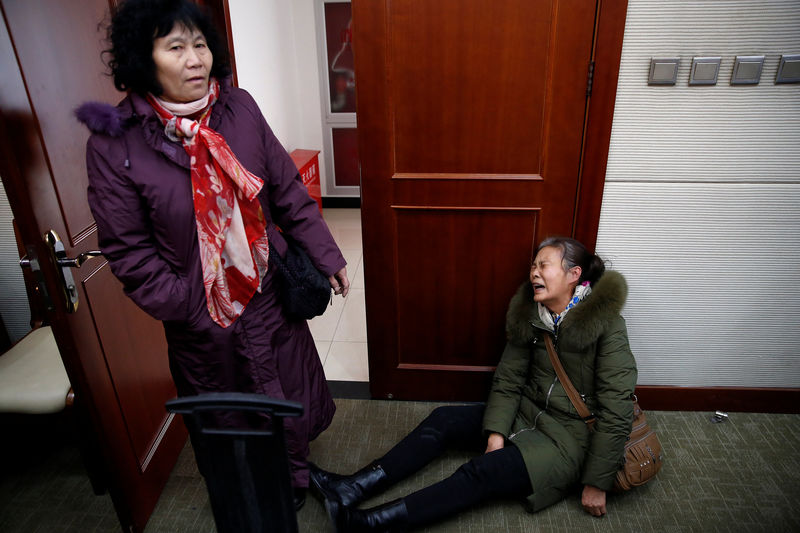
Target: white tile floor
{"points": [[341, 333]]}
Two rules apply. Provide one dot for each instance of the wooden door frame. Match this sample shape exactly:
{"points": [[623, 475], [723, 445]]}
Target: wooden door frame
{"points": [[220, 13], [606, 54]]}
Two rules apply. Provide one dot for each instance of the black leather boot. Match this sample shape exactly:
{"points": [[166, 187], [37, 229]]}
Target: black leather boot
{"points": [[387, 518], [348, 490], [299, 498]]}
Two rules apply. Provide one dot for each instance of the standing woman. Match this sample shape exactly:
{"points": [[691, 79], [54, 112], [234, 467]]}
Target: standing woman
{"points": [[187, 184], [534, 443]]}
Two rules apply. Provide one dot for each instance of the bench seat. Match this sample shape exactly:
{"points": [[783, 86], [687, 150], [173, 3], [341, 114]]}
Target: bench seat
{"points": [[32, 375]]}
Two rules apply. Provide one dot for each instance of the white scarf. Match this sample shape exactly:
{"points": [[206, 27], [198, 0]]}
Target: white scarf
{"points": [[551, 319], [185, 109]]}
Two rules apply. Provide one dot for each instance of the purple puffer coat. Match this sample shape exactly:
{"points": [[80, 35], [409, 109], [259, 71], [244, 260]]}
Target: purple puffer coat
{"points": [[140, 195]]}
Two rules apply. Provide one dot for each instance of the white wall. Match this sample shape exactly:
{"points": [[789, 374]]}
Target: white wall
{"points": [[701, 209], [276, 61]]}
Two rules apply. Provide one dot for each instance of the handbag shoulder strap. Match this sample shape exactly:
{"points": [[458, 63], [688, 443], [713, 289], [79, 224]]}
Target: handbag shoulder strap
{"points": [[570, 389]]}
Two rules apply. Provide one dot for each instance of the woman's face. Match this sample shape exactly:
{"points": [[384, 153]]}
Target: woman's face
{"points": [[183, 64], [552, 285]]}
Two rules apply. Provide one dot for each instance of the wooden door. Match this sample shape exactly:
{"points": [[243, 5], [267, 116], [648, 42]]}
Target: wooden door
{"points": [[115, 355], [471, 117]]}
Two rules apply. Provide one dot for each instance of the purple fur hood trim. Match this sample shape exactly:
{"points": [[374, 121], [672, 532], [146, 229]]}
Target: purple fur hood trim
{"points": [[101, 118]]}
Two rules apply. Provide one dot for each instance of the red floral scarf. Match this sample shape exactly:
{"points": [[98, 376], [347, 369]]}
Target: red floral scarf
{"points": [[231, 229]]}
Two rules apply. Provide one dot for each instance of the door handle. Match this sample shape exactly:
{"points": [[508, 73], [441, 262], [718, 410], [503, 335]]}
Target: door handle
{"points": [[80, 260], [59, 256], [63, 262]]}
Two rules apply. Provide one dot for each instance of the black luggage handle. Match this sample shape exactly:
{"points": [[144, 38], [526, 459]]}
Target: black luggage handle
{"points": [[236, 401]]}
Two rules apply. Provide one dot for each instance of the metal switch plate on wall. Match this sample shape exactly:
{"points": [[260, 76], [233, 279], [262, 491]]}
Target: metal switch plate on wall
{"points": [[663, 71], [747, 70], [788, 69], [704, 70]]}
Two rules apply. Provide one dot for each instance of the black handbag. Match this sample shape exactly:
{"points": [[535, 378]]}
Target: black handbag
{"points": [[304, 291]]}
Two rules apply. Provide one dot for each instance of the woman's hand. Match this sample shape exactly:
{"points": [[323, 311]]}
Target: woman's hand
{"points": [[496, 441], [339, 282], [593, 500]]}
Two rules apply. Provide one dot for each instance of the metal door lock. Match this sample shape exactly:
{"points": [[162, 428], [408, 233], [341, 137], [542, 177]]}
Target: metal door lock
{"points": [[31, 260], [59, 256]]}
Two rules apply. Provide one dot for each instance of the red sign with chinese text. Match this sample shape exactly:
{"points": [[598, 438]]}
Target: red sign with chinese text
{"points": [[307, 164]]}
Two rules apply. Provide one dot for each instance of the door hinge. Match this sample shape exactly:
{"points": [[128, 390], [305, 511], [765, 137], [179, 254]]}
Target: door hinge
{"points": [[590, 79]]}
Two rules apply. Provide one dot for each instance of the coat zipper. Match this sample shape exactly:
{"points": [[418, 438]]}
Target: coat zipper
{"points": [[536, 419], [549, 392]]}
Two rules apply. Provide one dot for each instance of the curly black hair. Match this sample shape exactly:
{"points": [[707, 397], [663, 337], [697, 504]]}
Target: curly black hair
{"points": [[135, 24]]}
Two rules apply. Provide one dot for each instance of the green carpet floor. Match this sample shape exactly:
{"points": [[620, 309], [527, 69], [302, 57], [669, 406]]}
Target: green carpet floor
{"points": [[740, 475]]}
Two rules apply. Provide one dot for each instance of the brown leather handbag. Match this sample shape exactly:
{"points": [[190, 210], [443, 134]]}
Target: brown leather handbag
{"points": [[643, 457]]}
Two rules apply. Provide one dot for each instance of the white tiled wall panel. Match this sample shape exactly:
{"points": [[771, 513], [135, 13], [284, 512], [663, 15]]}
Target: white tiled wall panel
{"points": [[701, 209], [713, 276], [727, 133]]}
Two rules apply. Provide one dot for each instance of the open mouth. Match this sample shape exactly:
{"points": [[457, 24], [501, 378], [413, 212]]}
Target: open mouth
{"points": [[537, 287]]}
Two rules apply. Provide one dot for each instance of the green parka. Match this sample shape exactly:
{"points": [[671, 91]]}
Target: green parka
{"points": [[529, 406]]}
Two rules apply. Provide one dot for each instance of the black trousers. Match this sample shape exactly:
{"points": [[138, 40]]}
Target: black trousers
{"points": [[498, 474]]}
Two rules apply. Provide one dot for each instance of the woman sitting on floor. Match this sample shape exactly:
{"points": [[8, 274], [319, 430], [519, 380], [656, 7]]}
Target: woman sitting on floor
{"points": [[536, 445]]}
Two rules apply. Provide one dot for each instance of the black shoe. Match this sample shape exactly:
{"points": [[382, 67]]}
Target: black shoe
{"points": [[348, 490], [387, 518], [299, 498]]}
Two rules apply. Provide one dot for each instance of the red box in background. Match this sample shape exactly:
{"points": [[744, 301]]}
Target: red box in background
{"points": [[307, 164]]}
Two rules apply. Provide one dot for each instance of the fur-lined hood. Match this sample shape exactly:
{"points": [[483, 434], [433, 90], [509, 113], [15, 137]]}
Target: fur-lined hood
{"points": [[107, 119], [104, 118], [132, 120], [594, 314]]}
